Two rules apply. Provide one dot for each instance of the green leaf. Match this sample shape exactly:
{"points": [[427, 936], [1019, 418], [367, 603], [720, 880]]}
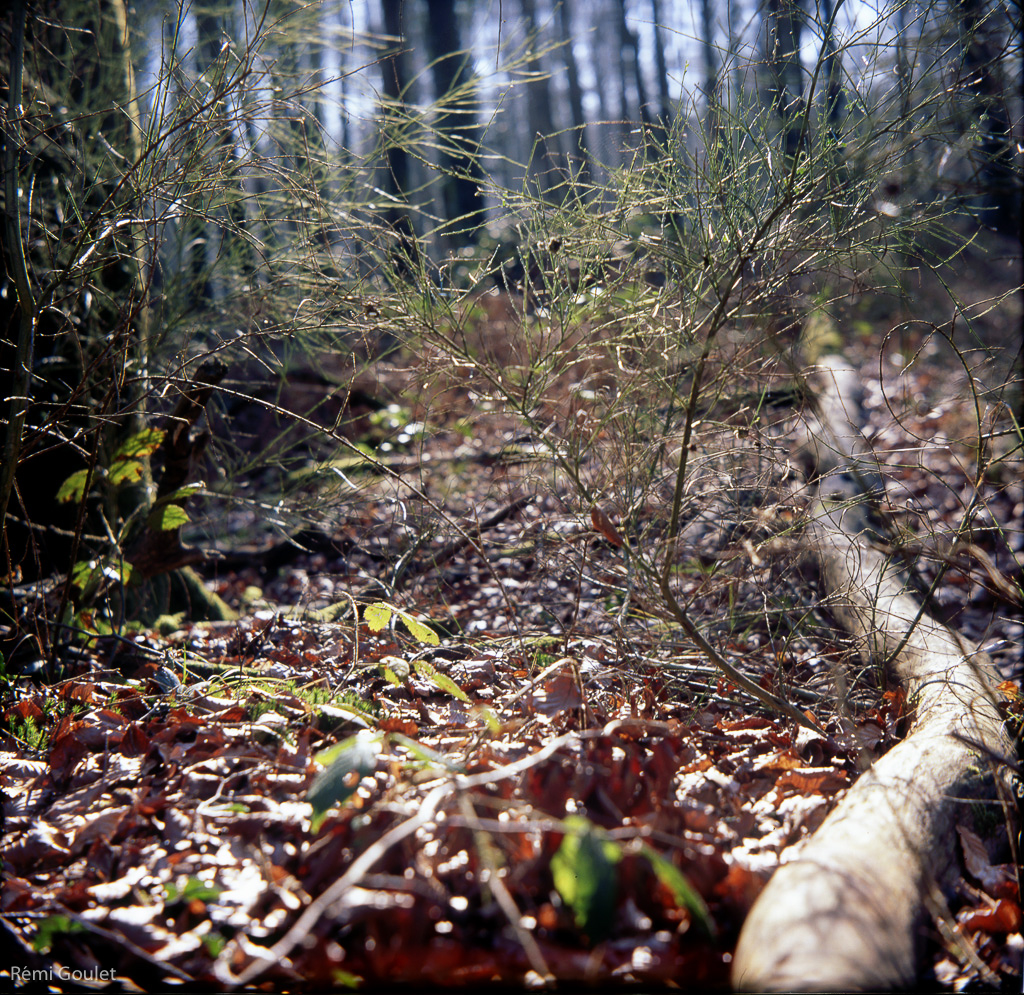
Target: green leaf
{"points": [[83, 573], [125, 471], [377, 615], [53, 926], [443, 681], [194, 889], [214, 943], [686, 896], [73, 489], [493, 725], [184, 492], [397, 666], [86, 573], [89, 622], [428, 756], [119, 572], [584, 873], [140, 445], [418, 630], [345, 763], [345, 979], [165, 517]]}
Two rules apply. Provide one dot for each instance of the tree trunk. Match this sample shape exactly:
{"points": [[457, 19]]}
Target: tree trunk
{"points": [[849, 912], [907, 173], [17, 345], [196, 233], [395, 74], [980, 75], [451, 68], [629, 53], [160, 550], [542, 163], [660, 63], [579, 120], [714, 136], [835, 102], [782, 57]]}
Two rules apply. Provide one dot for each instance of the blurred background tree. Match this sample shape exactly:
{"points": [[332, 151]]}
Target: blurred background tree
{"points": [[261, 182]]}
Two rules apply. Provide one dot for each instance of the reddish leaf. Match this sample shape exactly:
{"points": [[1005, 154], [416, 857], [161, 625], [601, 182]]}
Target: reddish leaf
{"points": [[1004, 918], [603, 524], [812, 779]]}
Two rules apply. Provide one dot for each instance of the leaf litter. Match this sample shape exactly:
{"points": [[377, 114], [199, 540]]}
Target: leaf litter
{"points": [[299, 804]]}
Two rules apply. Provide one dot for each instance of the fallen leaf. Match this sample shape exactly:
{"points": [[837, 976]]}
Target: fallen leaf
{"points": [[1004, 918], [992, 877], [603, 524]]}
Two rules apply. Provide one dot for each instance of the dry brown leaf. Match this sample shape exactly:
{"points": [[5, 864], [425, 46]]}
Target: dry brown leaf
{"points": [[992, 877], [603, 524]]}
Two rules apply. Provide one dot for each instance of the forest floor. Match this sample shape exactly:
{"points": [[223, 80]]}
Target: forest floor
{"points": [[532, 781]]}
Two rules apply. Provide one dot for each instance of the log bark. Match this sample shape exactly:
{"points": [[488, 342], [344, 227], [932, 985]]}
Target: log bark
{"points": [[850, 912]]}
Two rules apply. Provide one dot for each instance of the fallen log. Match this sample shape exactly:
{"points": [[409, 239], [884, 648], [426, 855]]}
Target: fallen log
{"points": [[851, 910]]}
